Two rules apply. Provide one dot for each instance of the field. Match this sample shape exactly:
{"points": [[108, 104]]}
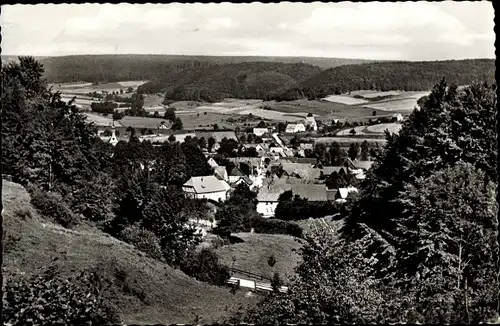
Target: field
{"points": [[344, 99], [252, 254], [329, 140], [101, 121], [397, 105], [83, 88], [150, 293], [370, 130]]}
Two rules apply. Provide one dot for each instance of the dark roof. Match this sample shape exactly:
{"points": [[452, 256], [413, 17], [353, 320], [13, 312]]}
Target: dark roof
{"points": [[300, 160], [235, 172], [312, 192]]}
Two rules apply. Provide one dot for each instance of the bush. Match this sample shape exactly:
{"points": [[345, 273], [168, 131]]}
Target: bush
{"points": [[52, 206], [144, 240], [274, 226], [204, 266], [47, 300]]}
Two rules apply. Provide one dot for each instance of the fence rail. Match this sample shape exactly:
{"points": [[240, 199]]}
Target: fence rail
{"points": [[249, 274]]}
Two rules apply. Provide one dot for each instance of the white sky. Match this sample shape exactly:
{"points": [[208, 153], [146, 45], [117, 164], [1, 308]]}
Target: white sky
{"points": [[399, 31]]}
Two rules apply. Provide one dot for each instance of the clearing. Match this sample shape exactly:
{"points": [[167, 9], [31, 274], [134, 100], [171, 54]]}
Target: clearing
{"points": [[144, 290], [371, 130], [252, 254]]}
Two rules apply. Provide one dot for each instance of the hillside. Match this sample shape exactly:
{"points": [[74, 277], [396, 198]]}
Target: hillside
{"points": [[120, 67], [239, 80], [384, 76], [144, 290]]}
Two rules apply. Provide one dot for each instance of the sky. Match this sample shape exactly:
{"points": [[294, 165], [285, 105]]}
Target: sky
{"points": [[381, 31]]}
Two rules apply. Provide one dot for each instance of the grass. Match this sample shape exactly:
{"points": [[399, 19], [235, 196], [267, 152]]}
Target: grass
{"points": [[252, 254], [378, 129], [147, 291]]}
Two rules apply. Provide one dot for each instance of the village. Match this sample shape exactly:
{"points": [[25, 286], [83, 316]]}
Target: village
{"points": [[268, 167]]}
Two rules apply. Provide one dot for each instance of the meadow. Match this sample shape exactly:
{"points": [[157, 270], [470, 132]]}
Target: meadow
{"points": [[371, 130], [252, 254]]}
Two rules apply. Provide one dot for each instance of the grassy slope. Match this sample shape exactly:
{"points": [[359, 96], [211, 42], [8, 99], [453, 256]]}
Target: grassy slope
{"points": [[253, 253], [168, 295]]}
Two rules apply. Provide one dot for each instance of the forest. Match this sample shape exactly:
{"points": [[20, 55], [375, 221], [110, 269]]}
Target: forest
{"points": [[385, 76]]}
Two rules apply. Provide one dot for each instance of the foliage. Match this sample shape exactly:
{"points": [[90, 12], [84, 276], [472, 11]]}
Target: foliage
{"points": [[204, 266], [332, 286], [300, 208], [48, 299], [143, 239], [275, 226], [177, 125], [276, 282], [384, 76], [51, 205]]}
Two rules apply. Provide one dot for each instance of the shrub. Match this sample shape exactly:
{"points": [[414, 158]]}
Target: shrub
{"points": [[52, 206], [144, 240], [204, 266], [274, 226], [48, 299]]}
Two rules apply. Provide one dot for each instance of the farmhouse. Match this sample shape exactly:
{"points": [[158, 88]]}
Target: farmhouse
{"points": [[268, 196], [397, 117], [294, 128], [260, 131], [206, 187], [260, 148]]}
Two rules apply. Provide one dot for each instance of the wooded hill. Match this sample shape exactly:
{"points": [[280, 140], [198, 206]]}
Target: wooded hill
{"points": [[385, 76], [114, 68]]}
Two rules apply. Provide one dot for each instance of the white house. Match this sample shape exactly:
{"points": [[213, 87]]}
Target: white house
{"points": [[295, 127], [398, 117], [260, 131], [113, 140], [268, 199], [311, 123], [206, 187]]}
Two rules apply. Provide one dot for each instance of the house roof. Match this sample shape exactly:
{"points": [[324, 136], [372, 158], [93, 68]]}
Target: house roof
{"points": [[272, 192], [254, 161], [304, 160], [327, 170], [291, 167], [306, 145], [205, 184], [221, 171], [312, 192], [365, 165], [236, 172]]}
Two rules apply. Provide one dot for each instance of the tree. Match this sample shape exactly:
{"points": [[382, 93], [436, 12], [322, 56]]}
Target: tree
{"points": [[156, 114], [353, 151], [211, 143], [170, 114], [455, 212], [276, 282], [261, 124], [130, 90], [309, 114], [335, 154], [216, 126], [177, 125], [365, 151], [374, 113], [202, 142], [171, 138], [271, 261], [352, 132], [331, 287]]}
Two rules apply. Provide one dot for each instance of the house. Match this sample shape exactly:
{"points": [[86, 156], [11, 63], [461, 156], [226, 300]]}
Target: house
{"points": [[206, 187], [311, 124], [294, 128], [267, 199], [255, 164], [326, 171], [343, 193], [260, 131], [244, 179], [397, 117], [260, 148], [305, 146]]}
